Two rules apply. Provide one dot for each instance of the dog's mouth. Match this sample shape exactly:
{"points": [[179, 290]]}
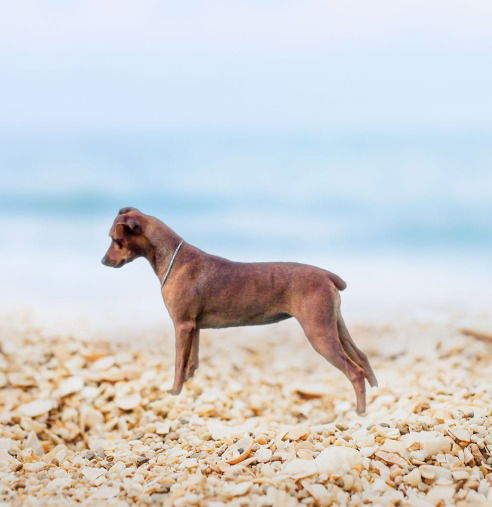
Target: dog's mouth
{"points": [[110, 264]]}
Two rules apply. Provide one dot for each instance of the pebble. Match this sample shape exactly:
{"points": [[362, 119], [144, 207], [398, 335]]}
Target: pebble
{"points": [[391, 458], [300, 468], [413, 478], [338, 459], [37, 407], [128, 402], [162, 428], [35, 466], [263, 455], [320, 493], [460, 434], [239, 451], [71, 385], [239, 489], [299, 433]]}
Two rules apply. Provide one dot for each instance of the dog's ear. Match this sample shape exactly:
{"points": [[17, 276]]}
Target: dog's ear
{"points": [[127, 209], [131, 224]]}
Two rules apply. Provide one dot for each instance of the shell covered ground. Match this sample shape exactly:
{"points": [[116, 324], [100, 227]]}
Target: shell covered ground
{"points": [[264, 422]]}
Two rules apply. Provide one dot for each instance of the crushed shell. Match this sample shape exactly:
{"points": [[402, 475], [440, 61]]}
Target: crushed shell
{"points": [[239, 451], [90, 422]]}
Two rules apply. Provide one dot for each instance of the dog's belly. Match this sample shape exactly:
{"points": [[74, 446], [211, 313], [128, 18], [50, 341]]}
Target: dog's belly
{"points": [[216, 321], [230, 294]]}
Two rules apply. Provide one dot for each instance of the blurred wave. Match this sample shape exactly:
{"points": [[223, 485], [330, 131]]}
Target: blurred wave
{"points": [[282, 190]]}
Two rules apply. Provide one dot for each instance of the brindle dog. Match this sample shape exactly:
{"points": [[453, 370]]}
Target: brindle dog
{"points": [[205, 291]]}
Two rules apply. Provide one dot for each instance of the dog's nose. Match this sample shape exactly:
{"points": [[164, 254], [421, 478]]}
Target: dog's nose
{"points": [[104, 261]]}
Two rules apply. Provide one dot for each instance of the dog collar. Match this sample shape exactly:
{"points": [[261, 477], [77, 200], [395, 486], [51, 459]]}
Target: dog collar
{"points": [[171, 263]]}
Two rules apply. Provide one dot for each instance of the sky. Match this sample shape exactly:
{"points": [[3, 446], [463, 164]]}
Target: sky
{"points": [[99, 64]]}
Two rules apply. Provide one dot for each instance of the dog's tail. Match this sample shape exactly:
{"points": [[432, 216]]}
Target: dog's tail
{"points": [[339, 283]]}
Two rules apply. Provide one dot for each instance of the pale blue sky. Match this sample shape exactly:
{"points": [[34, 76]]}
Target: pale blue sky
{"points": [[97, 65]]}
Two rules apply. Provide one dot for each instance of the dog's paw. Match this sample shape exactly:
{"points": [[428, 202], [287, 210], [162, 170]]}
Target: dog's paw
{"points": [[190, 372]]}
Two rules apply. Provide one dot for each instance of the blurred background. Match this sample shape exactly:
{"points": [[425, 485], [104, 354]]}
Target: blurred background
{"points": [[353, 135]]}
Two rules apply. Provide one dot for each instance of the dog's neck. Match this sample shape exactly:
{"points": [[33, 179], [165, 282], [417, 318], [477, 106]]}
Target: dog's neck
{"points": [[163, 243]]}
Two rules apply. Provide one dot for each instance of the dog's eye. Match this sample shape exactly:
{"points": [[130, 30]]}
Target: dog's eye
{"points": [[118, 243]]}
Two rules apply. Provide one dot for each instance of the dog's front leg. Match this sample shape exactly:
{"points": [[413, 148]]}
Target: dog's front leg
{"points": [[192, 363], [185, 333]]}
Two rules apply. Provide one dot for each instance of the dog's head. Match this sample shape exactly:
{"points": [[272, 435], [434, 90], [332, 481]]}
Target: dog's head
{"points": [[128, 240]]}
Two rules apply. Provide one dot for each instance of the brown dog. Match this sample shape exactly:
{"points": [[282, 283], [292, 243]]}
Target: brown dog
{"points": [[204, 291]]}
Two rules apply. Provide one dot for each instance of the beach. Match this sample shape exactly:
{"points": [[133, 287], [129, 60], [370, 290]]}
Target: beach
{"points": [[87, 352], [265, 420]]}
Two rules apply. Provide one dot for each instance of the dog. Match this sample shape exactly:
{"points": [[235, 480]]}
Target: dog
{"points": [[203, 291]]}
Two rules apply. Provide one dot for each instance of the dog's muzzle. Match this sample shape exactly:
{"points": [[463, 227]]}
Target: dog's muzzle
{"points": [[107, 262]]}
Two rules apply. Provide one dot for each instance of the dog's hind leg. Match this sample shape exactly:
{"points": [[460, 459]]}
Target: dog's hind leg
{"points": [[354, 352], [321, 329]]}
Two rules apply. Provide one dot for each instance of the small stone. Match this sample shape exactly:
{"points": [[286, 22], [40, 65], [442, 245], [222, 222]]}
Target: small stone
{"points": [[432, 472], [391, 458], [337, 459], [439, 494], [320, 494], [162, 428], [22, 380], [239, 451], [70, 385], [37, 407], [239, 489], [312, 390], [460, 475], [105, 492], [58, 453], [305, 454], [468, 457], [141, 460], [91, 474], [59, 483], [427, 472], [104, 363], [7, 443], [7, 458], [35, 466], [128, 402], [460, 434], [477, 455], [263, 455], [90, 417], [413, 478], [32, 442], [429, 442], [300, 468], [296, 434]]}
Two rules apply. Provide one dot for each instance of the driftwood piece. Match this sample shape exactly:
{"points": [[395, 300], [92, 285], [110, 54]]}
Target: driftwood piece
{"points": [[479, 335]]}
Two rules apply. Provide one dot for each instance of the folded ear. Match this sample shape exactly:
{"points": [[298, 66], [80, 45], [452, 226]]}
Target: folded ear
{"points": [[131, 224], [127, 209]]}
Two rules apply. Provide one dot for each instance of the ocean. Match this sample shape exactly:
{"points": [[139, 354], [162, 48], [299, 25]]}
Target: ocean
{"points": [[403, 216]]}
